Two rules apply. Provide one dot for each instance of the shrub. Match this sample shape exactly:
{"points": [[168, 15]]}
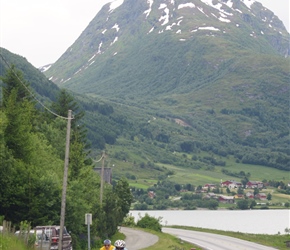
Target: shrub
{"points": [[150, 223], [129, 221]]}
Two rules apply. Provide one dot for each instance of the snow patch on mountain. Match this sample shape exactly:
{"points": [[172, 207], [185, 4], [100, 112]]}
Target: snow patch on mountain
{"points": [[186, 5], [115, 5], [147, 12], [150, 30], [99, 49], [229, 4], [224, 20], [115, 40], [162, 6], [116, 26], [92, 58], [206, 28], [45, 68], [169, 27], [249, 3], [166, 16]]}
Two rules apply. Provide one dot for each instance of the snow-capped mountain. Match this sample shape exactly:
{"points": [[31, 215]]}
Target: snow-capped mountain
{"points": [[127, 37]]}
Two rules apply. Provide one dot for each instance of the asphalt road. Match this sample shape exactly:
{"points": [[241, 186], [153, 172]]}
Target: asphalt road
{"points": [[137, 239], [214, 241]]}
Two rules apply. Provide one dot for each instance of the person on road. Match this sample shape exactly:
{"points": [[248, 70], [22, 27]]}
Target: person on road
{"points": [[107, 245], [120, 245]]}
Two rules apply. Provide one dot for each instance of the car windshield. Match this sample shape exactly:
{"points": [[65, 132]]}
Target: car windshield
{"points": [[41, 235], [64, 231]]}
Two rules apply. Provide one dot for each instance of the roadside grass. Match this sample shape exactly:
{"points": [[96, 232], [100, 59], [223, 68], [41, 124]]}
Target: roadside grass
{"points": [[10, 242], [276, 241], [167, 241]]}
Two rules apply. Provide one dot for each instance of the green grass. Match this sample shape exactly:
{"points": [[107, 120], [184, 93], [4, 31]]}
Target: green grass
{"points": [[167, 241], [259, 172], [10, 242], [201, 176], [138, 185], [277, 241]]}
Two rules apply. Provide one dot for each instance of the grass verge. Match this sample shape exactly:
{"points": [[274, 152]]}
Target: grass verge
{"points": [[276, 241], [167, 241], [10, 242]]}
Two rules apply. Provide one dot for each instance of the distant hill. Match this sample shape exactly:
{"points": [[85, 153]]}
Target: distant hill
{"points": [[42, 86]]}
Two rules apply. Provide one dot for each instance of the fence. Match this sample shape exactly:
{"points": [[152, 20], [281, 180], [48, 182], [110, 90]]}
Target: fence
{"points": [[35, 239]]}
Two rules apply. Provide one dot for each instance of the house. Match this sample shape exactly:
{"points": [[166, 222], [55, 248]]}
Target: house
{"points": [[261, 196], [231, 184], [239, 196], [235, 184], [226, 199], [151, 194], [210, 196], [254, 184], [226, 183], [250, 195], [209, 186]]}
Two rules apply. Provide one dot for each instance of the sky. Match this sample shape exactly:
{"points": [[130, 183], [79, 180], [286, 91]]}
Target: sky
{"points": [[41, 31]]}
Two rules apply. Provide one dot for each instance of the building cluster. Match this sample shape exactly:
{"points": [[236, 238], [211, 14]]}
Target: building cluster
{"points": [[209, 191], [231, 184]]}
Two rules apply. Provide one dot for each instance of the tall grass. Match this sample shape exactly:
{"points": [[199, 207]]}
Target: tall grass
{"points": [[10, 242]]}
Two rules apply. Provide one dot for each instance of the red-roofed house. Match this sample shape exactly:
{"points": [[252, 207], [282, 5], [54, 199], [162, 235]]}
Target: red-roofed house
{"points": [[226, 183], [261, 196], [254, 184], [226, 199], [250, 195]]}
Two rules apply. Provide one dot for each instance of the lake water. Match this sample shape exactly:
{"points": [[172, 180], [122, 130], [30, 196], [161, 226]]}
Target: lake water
{"points": [[246, 221]]}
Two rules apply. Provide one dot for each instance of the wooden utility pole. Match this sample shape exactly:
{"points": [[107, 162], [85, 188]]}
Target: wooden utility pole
{"points": [[64, 185], [102, 177]]}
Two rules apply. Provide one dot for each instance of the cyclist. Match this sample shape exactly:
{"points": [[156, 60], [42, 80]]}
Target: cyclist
{"points": [[120, 245], [107, 245]]}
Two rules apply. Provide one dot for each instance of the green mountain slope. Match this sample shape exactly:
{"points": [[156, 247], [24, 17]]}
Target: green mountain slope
{"points": [[44, 88], [201, 84], [211, 76]]}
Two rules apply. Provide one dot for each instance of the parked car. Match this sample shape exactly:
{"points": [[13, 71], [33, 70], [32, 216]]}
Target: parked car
{"points": [[52, 233], [35, 238]]}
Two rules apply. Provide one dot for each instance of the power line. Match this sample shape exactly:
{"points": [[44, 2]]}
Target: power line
{"points": [[49, 110], [103, 155]]}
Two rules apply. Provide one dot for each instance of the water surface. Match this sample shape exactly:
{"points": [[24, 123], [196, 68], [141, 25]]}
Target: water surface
{"points": [[246, 221]]}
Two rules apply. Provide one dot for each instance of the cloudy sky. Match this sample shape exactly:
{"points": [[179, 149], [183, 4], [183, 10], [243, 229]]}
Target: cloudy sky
{"points": [[41, 30]]}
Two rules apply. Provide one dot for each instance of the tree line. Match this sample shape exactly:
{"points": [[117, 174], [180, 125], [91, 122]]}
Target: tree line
{"points": [[31, 166]]}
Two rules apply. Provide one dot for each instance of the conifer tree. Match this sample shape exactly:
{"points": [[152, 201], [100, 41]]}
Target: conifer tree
{"points": [[20, 112]]}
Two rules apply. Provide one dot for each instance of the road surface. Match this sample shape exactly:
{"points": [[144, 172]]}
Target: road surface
{"points": [[214, 241], [137, 239]]}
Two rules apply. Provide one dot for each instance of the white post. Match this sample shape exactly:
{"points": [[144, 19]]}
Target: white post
{"points": [[88, 221]]}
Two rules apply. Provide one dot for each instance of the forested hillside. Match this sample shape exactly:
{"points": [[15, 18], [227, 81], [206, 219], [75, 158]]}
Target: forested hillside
{"points": [[32, 159]]}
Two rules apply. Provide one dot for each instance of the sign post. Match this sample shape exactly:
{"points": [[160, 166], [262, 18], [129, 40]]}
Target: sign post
{"points": [[88, 221]]}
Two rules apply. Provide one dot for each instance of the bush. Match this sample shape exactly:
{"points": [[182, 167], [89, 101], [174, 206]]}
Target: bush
{"points": [[129, 221], [150, 223]]}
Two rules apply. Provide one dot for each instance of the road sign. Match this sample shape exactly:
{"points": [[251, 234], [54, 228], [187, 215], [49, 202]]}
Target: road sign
{"points": [[88, 219]]}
